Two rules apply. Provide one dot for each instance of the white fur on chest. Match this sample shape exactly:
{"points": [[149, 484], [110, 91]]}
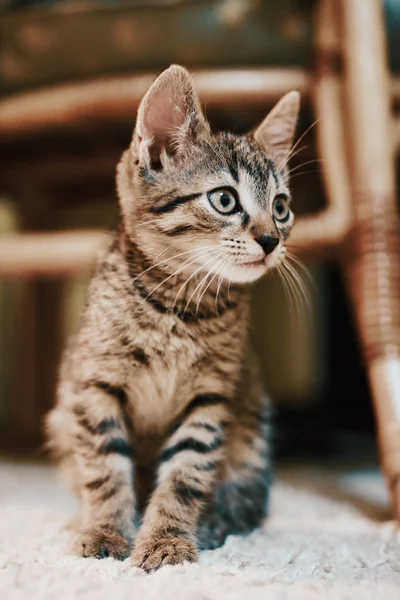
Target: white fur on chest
{"points": [[155, 389]]}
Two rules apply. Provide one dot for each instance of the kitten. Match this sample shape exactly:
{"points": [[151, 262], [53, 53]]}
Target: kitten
{"points": [[160, 414]]}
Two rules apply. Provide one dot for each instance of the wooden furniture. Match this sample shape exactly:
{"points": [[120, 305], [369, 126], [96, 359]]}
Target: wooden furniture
{"points": [[371, 260], [355, 139], [351, 93]]}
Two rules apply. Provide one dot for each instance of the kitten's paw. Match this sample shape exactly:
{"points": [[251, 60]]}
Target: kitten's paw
{"points": [[100, 543], [211, 534], [151, 553]]}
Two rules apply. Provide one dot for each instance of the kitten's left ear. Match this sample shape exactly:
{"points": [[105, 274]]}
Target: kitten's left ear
{"points": [[277, 131], [169, 117]]}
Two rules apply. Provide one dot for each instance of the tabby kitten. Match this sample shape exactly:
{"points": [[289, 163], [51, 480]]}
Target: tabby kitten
{"points": [[160, 414]]}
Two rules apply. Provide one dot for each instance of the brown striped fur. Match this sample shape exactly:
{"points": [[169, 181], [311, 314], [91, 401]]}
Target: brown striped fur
{"points": [[160, 416]]}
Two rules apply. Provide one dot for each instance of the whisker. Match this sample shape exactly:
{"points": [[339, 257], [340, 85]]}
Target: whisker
{"points": [[209, 283], [229, 281], [301, 291], [298, 306], [303, 268], [186, 282], [281, 274], [202, 280], [153, 266], [288, 292], [160, 254], [290, 156], [299, 140], [310, 172], [224, 269], [220, 263], [147, 222], [220, 279], [308, 162], [203, 253]]}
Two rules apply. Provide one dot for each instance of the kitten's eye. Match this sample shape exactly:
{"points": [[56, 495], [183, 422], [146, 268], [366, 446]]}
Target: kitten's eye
{"points": [[224, 201], [280, 209]]}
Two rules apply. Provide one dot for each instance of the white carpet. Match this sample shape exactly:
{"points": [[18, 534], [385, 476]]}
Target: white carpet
{"points": [[327, 538]]}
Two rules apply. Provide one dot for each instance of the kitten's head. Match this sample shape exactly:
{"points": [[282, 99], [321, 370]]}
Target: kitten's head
{"points": [[198, 202]]}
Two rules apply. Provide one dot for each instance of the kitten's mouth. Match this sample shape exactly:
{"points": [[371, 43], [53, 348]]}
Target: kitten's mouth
{"points": [[252, 263]]}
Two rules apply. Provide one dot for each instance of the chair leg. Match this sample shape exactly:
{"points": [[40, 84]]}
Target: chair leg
{"points": [[371, 259]]}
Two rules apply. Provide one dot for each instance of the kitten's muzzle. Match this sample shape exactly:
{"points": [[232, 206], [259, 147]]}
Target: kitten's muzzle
{"points": [[268, 243]]}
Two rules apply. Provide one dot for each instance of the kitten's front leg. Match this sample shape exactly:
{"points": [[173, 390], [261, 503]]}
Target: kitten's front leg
{"points": [[186, 479], [99, 446]]}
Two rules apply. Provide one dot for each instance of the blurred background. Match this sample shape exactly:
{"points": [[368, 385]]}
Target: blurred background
{"points": [[71, 76]]}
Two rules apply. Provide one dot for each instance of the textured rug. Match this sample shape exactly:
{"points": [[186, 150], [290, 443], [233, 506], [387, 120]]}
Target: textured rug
{"points": [[328, 537]]}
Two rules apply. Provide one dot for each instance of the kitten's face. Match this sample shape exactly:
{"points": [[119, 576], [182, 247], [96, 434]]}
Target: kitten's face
{"points": [[200, 204]]}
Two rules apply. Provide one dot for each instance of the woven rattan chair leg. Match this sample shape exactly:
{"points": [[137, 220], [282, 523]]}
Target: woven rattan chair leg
{"points": [[371, 258]]}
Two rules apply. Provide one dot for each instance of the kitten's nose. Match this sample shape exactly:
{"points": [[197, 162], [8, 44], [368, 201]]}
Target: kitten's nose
{"points": [[268, 243]]}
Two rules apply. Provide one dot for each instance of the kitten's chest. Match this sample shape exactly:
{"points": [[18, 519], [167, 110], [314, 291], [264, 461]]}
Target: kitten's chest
{"points": [[156, 383]]}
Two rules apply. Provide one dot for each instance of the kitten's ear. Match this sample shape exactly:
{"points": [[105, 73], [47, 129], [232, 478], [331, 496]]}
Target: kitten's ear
{"points": [[169, 117], [277, 131]]}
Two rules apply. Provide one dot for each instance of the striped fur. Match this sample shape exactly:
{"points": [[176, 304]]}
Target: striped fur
{"points": [[160, 418]]}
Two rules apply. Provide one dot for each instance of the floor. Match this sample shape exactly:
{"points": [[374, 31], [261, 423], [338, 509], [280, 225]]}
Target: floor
{"points": [[329, 536]]}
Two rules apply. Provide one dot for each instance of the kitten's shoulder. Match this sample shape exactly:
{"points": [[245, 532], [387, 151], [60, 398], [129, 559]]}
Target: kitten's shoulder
{"points": [[111, 266]]}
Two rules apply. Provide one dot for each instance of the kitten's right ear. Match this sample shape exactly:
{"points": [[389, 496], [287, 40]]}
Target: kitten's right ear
{"points": [[169, 117]]}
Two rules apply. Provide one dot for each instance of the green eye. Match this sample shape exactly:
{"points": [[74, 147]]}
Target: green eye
{"points": [[280, 209], [224, 201]]}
